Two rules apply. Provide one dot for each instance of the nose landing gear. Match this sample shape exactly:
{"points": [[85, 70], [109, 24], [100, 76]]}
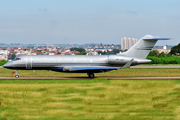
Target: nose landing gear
{"points": [[17, 75]]}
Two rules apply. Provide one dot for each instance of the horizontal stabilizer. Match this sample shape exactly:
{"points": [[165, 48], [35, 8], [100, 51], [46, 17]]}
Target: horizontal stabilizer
{"points": [[157, 39]]}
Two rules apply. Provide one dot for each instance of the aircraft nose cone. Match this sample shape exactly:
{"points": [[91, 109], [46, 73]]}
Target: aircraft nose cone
{"points": [[7, 65]]}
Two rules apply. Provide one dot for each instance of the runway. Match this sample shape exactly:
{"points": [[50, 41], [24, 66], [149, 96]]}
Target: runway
{"points": [[176, 66], [108, 78], [86, 78], [155, 66]]}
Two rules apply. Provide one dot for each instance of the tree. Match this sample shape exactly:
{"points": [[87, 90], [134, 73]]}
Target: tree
{"points": [[77, 49], [2, 62], [115, 51], [82, 53], [168, 55], [161, 55], [102, 53], [175, 50], [13, 56], [154, 53]]}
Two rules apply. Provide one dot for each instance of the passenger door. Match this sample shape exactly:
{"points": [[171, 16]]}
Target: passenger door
{"points": [[28, 62]]}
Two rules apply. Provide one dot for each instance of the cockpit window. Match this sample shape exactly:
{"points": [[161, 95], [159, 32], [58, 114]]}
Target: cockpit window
{"points": [[16, 59]]}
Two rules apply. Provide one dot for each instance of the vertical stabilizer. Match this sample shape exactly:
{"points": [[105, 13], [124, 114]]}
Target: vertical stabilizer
{"points": [[142, 48]]}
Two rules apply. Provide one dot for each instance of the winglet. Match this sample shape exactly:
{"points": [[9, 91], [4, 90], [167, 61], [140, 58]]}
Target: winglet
{"points": [[128, 64]]}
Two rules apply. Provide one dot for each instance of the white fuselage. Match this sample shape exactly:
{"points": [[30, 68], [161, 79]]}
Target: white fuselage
{"points": [[44, 62]]}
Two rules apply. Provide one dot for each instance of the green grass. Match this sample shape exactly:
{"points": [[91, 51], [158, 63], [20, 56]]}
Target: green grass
{"points": [[54, 81], [153, 72], [94, 99], [89, 99]]}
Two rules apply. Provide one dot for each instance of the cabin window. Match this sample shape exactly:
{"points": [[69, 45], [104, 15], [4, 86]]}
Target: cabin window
{"points": [[121, 59]]}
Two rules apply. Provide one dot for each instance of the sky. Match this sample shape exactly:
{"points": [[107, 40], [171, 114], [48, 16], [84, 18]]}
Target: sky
{"points": [[88, 21]]}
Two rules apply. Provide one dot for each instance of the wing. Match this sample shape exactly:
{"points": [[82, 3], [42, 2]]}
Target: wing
{"points": [[89, 68], [127, 65], [93, 68], [84, 69]]}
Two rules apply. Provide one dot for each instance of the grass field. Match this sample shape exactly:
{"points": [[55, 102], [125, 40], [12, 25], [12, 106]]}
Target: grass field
{"points": [[153, 72], [95, 99]]}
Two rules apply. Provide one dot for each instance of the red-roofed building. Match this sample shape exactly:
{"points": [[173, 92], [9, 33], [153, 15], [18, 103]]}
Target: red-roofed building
{"points": [[12, 52], [38, 53], [75, 52], [162, 50], [66, 53]]}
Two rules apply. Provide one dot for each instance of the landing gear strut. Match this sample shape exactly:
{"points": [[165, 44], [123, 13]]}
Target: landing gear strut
{"points": [[17, 75], [91, 75]]}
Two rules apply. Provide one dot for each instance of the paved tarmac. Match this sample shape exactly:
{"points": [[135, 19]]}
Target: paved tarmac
{"points": [[155, 67], [108, 78], [147, 67], [45, 78], [86, 78]]}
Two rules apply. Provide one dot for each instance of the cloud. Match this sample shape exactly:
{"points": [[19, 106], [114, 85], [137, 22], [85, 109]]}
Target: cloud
{"points": [[43, 10], [131, 12]]}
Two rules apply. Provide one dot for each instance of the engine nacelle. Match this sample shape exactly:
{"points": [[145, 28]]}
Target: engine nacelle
{"points": [[121, 60]]}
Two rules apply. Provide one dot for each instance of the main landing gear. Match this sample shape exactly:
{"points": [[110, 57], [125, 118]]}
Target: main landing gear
{"points": [[91, 75], [17, 75]]}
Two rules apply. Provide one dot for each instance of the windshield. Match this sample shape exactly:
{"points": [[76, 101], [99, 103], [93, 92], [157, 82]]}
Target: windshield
{"points": [[16, 59]]}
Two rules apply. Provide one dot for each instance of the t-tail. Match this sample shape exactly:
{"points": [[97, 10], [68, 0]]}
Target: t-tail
{"points": [[142, 48]]}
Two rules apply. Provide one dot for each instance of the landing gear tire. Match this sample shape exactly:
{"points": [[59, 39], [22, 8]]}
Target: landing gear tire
{"points": [[17, 76], [91, 75]]}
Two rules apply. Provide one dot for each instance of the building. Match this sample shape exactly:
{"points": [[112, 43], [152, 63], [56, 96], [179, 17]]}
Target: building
{"points": [[127, 43], [165, 47], [163, 50], [4, 54]]}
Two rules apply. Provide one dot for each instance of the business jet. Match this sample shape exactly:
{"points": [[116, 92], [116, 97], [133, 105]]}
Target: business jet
{"points": [[86, 63]]}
